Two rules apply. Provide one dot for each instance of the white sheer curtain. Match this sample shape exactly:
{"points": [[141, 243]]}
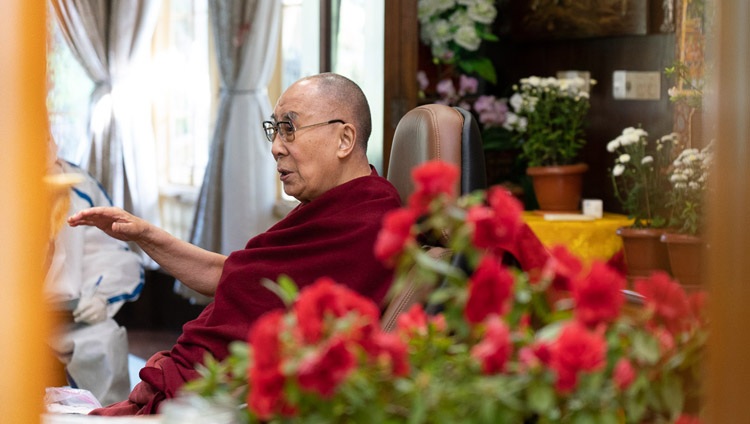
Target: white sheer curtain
{"points": [[238, 192], [111, 40]]}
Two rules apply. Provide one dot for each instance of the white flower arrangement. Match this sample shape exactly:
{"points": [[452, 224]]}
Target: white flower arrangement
{"points": [[454, 31], [689, 179], [639, 175], [548, 117]]}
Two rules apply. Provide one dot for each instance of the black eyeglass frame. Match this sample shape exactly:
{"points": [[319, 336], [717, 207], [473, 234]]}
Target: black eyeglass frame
{"points": [[271, 128]]}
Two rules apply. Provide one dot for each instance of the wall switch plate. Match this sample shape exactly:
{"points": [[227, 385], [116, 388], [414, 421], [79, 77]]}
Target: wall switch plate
{"points": [[636, 85]]}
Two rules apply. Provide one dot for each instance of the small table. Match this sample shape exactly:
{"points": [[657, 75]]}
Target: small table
{"points": [[589, 240]]}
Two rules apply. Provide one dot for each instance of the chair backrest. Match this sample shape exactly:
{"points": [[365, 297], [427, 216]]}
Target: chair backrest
{"points": [[425, 133], [437, 131]]}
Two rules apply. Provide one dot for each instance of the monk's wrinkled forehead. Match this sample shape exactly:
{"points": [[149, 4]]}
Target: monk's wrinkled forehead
{"points": [[301, 99]]}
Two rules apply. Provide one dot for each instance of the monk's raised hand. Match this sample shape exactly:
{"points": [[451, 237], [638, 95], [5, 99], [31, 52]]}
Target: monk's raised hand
{"points": [[114, 221]]}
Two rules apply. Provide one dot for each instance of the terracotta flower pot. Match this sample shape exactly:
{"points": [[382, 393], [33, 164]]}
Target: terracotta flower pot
{"points": [[644, 251], [558, 188], [686, 258]]}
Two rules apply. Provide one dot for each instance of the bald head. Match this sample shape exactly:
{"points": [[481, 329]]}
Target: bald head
{"points": [[346, 97]]}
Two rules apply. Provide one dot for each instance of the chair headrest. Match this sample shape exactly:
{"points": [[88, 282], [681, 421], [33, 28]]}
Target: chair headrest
{"points": [[435, 131]]}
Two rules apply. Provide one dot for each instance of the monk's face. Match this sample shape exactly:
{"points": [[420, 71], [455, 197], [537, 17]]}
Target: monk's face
{"points": [[307, 162]]}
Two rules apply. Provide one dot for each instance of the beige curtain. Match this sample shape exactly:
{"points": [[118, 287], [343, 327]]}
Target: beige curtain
{"points": [[111, 41], [238, 192]]}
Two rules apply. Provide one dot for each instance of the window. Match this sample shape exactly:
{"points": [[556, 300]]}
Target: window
{"points": [[182, 105]]}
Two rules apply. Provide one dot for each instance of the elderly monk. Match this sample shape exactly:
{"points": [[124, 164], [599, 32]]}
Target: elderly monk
{"points": [[319, 131]]}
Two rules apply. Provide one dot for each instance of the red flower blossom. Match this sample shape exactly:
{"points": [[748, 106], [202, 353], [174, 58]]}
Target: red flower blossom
{"points": [[535, 355], [395, 234], [412, 322], [496, 225], [667, 299], [265, 397], [687, 419], [562, 267], [325, 369], [432, 179], [623, 374], [325, 298], [576, 350], [392, 350], [598, 295], [489, 290], [495, 348]]}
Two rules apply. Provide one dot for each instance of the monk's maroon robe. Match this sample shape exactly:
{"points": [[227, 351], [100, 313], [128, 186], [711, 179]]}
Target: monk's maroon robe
{"points": [[332, 236]]}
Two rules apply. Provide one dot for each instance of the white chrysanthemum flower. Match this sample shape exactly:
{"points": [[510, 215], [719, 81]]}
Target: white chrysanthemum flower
{"points": [[647, 159], [516, 101], [613, 145], [624, 158], [618, 170]]}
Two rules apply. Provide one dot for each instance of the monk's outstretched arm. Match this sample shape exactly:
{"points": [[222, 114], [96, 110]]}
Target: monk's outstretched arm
{"points": [[197, 268]]}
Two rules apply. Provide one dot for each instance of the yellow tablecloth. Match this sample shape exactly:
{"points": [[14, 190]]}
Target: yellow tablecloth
{"points": [[589, 240]]}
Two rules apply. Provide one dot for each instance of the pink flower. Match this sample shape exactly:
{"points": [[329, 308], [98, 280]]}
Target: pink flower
{"points": [[623, 374], [492, 111], [467, 85], [422, 80], [325, 369], [489, 290], [598, 295], [495, 348], [576, 350], [395, 234]]}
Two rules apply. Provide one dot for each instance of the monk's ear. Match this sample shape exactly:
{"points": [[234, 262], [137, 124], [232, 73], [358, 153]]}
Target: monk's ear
{"points": [[347, 140]]}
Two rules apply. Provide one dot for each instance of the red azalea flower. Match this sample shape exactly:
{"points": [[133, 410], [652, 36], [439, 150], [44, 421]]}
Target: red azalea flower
{"points": [[267, 381], [667, 299], [395, 234], [576, 350], [495, 348], [535, 355], [496, 225], [325, 369], [623, 374], [562, 267], [687, 419], [598, 295], [489, 290], [390, 348], [413, 321], [432, 179], [266, 393], [264, 339], [326, 298]]}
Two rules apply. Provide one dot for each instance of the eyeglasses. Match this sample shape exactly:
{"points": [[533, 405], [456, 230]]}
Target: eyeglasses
{"points": [[286, 129]]}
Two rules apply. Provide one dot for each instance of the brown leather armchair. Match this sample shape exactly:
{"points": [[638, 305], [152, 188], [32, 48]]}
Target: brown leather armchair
{"points": [[425, 133]]}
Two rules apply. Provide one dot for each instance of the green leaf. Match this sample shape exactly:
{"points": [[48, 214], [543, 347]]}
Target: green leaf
{"points": [[541, 397], [285, 289]]}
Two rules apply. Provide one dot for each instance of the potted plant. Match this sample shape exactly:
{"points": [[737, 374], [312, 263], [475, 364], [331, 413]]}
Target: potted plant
{"points": [[641, 184], [548, 118], [685, 244], [560, 345]]}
